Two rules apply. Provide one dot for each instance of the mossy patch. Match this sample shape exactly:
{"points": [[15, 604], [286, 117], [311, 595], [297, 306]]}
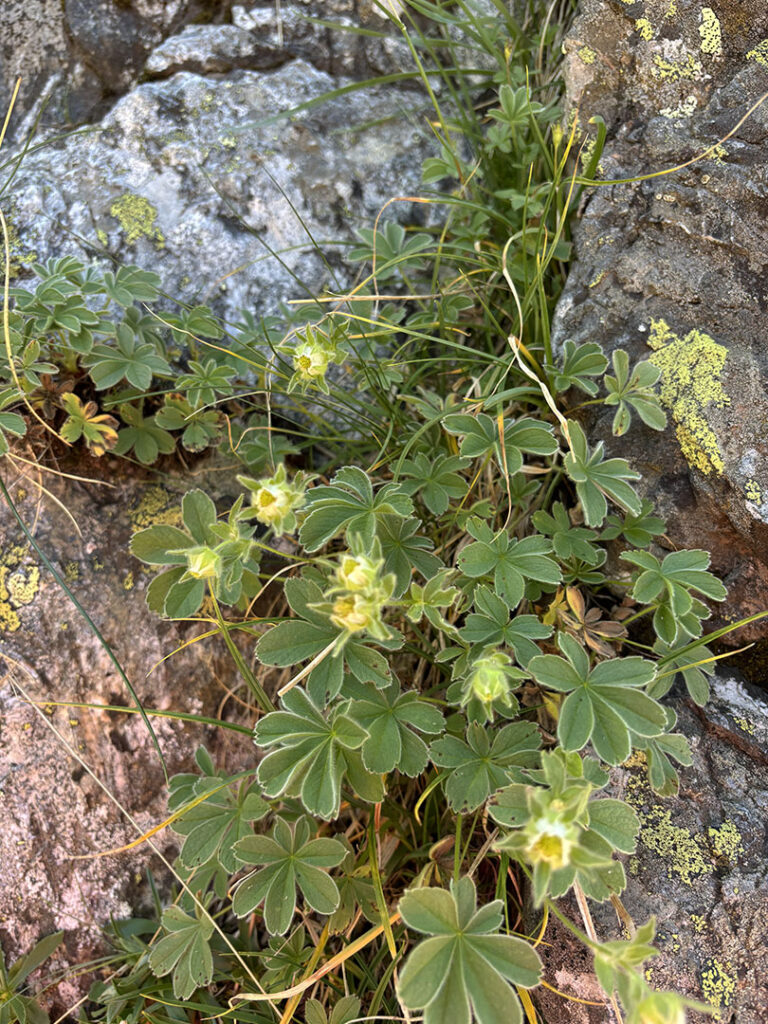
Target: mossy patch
{"points": [[137, 217], [691, 370]]}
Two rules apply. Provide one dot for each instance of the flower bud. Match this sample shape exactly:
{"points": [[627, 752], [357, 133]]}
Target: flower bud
{"points": [[202, 563], [272, 503], [659, 1008], [489, 679], [358, 574]]}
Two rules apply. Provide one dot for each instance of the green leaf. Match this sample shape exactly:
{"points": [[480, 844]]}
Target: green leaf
{"points": [[390, 718], [634, 392], [481, 437], [578, 365], [490, 624], [129, 360], [465, 970], [437, 481], [405, 550], [213, 827], [598, 478], [510, 562], [349, 504], [155, 544], [293, 863], [309, 756], [199, 514], [478, 767], [184, 950]]}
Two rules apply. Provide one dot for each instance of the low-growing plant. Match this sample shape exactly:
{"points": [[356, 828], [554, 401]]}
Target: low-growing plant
{"points": [[446, 649]]}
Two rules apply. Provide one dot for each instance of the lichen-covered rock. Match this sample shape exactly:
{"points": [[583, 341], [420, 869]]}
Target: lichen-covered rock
{"points": [[80, 54], [700, 868], [76, 782], [198, 179], [673, 268]]}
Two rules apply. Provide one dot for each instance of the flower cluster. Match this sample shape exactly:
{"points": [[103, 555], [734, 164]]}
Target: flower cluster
{"points": [[360, 592], [489, 684]]}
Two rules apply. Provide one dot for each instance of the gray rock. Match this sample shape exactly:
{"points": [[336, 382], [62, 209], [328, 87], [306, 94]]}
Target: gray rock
{"points": [[80, 54], [700, 868], [205, 49], [674, 268], [76, 782], [199, 180]]}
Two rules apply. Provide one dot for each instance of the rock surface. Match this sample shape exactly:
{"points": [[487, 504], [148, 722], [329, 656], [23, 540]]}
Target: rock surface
{"points": [[71, 777], [700, 867], [674, 268], [193, 175]]}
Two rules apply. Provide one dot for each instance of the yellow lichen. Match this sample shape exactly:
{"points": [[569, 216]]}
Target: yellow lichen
{"points": [[725, 842], [691, 368], [156, 506], [587, 55], [718, 152], [137, 216], [717, 984], [19, 586], [672, 9], [760, 53], [677, 70], [71, 572], [745, 725], [128, 582], [645, 28], [753, 491], [699, 923], [709, 30], [597, 279]]}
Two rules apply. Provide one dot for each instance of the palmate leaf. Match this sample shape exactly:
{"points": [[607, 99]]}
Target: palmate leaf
{"points": [[212, 827], [605, 704], [291, 861], [303, 638], [130, 359], [633, 392], [404, 550], [143, 435], [481, 437], [390, 718], [436, 480], [478, 767], [597, 478], [312, 754], [670, 583], [490, 624], [347, 1009], [185, 950], [568, 541], [349, 503], [466, 970], [579, 364], [508, 561]]}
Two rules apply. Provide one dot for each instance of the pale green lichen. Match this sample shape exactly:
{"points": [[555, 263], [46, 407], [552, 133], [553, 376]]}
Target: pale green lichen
{"points": [[137, 217], [587, 55], [645, 28], [709, 30], [156, 506], [725, 842], [717, 984], [760, 53], [753, 491], [718, 153], [685, 854], [102, 236], [685, 108], [677, 70], [691, 368]]}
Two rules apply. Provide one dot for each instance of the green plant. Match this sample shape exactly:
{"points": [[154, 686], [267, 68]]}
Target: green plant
{"points": [[416, 573]]}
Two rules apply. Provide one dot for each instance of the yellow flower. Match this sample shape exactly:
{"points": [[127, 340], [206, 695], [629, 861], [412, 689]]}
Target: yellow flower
{"points": [[310, 361], [358, 574], [353, 613], [550, 842], [202, 563]]}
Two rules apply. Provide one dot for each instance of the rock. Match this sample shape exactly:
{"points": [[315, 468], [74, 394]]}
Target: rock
{"points": [[80, 54], [197, 179], [75, 782], [673, 269], [700, 868]]}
